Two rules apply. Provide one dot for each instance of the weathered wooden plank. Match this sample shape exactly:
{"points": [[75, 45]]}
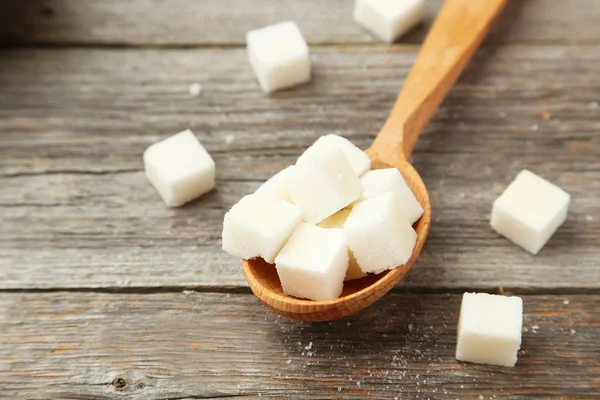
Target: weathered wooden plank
{"points": [[185, 346], [73, 123], [219, 22]]}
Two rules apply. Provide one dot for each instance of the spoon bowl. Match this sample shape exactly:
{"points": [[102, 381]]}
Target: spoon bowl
{"points": [[456, 33], [357, 294]]}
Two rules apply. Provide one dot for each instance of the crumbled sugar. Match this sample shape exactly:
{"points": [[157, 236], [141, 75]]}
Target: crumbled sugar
{"points": [[229, 139], [195, 89]]}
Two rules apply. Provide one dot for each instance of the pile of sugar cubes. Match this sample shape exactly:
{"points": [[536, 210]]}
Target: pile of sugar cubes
{"points": [[279, 55], [326, 219]]}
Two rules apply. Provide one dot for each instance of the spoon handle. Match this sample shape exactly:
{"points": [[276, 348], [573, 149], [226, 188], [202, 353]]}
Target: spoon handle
{"points": [[456, 33]]}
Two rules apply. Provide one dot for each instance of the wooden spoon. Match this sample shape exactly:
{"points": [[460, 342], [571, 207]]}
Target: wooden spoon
{"points": [[456, 33]]}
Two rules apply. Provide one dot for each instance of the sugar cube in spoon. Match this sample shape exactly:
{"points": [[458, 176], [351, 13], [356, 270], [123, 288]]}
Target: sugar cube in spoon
{"points": [[323, 184], [259, 226], [337, 221], [378, 235], [380, 181], [313, 263]]}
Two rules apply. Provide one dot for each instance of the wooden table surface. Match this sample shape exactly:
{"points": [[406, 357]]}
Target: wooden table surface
{"points": [[105, 293]]}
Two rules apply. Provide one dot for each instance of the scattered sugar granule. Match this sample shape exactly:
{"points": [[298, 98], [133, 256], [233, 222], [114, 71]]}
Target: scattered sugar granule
{"points": [[195, 89]]}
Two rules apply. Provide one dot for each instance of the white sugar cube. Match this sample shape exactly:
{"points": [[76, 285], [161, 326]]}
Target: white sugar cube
{"points": [[489, 329], [323, 184], [358, 159], [279, 56], [277, 185], [529, 211], [378, 235], [179, 168], [388, 19], [337, 221], [381, 181], [259, 226], [313, 263]]}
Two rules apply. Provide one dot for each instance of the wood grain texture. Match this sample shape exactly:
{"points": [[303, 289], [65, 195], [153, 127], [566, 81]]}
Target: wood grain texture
{"points": [[77, 211], [191, 346], [225, 22]]}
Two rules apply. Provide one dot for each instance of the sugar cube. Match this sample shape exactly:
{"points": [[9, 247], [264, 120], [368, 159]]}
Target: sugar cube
{"points": [[380, 181], [529, 211], [489, 329], [358, 159], [388, 19], [323, 184], [259, 226], [336, 221], [279, 56], [277, 185], [313, 263], [179, 168], [378, 235]]}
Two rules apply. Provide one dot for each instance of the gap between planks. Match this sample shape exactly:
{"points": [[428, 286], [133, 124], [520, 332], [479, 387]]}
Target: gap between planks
{"points": [[408, 46], [508, 290]]}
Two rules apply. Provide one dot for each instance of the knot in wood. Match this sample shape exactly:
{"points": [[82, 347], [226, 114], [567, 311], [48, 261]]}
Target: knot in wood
{"points": [[119, 383]]}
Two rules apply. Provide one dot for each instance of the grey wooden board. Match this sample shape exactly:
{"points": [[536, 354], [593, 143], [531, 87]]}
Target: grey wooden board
{"points": [[200, 345], [77, 211], [225, 22]]}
